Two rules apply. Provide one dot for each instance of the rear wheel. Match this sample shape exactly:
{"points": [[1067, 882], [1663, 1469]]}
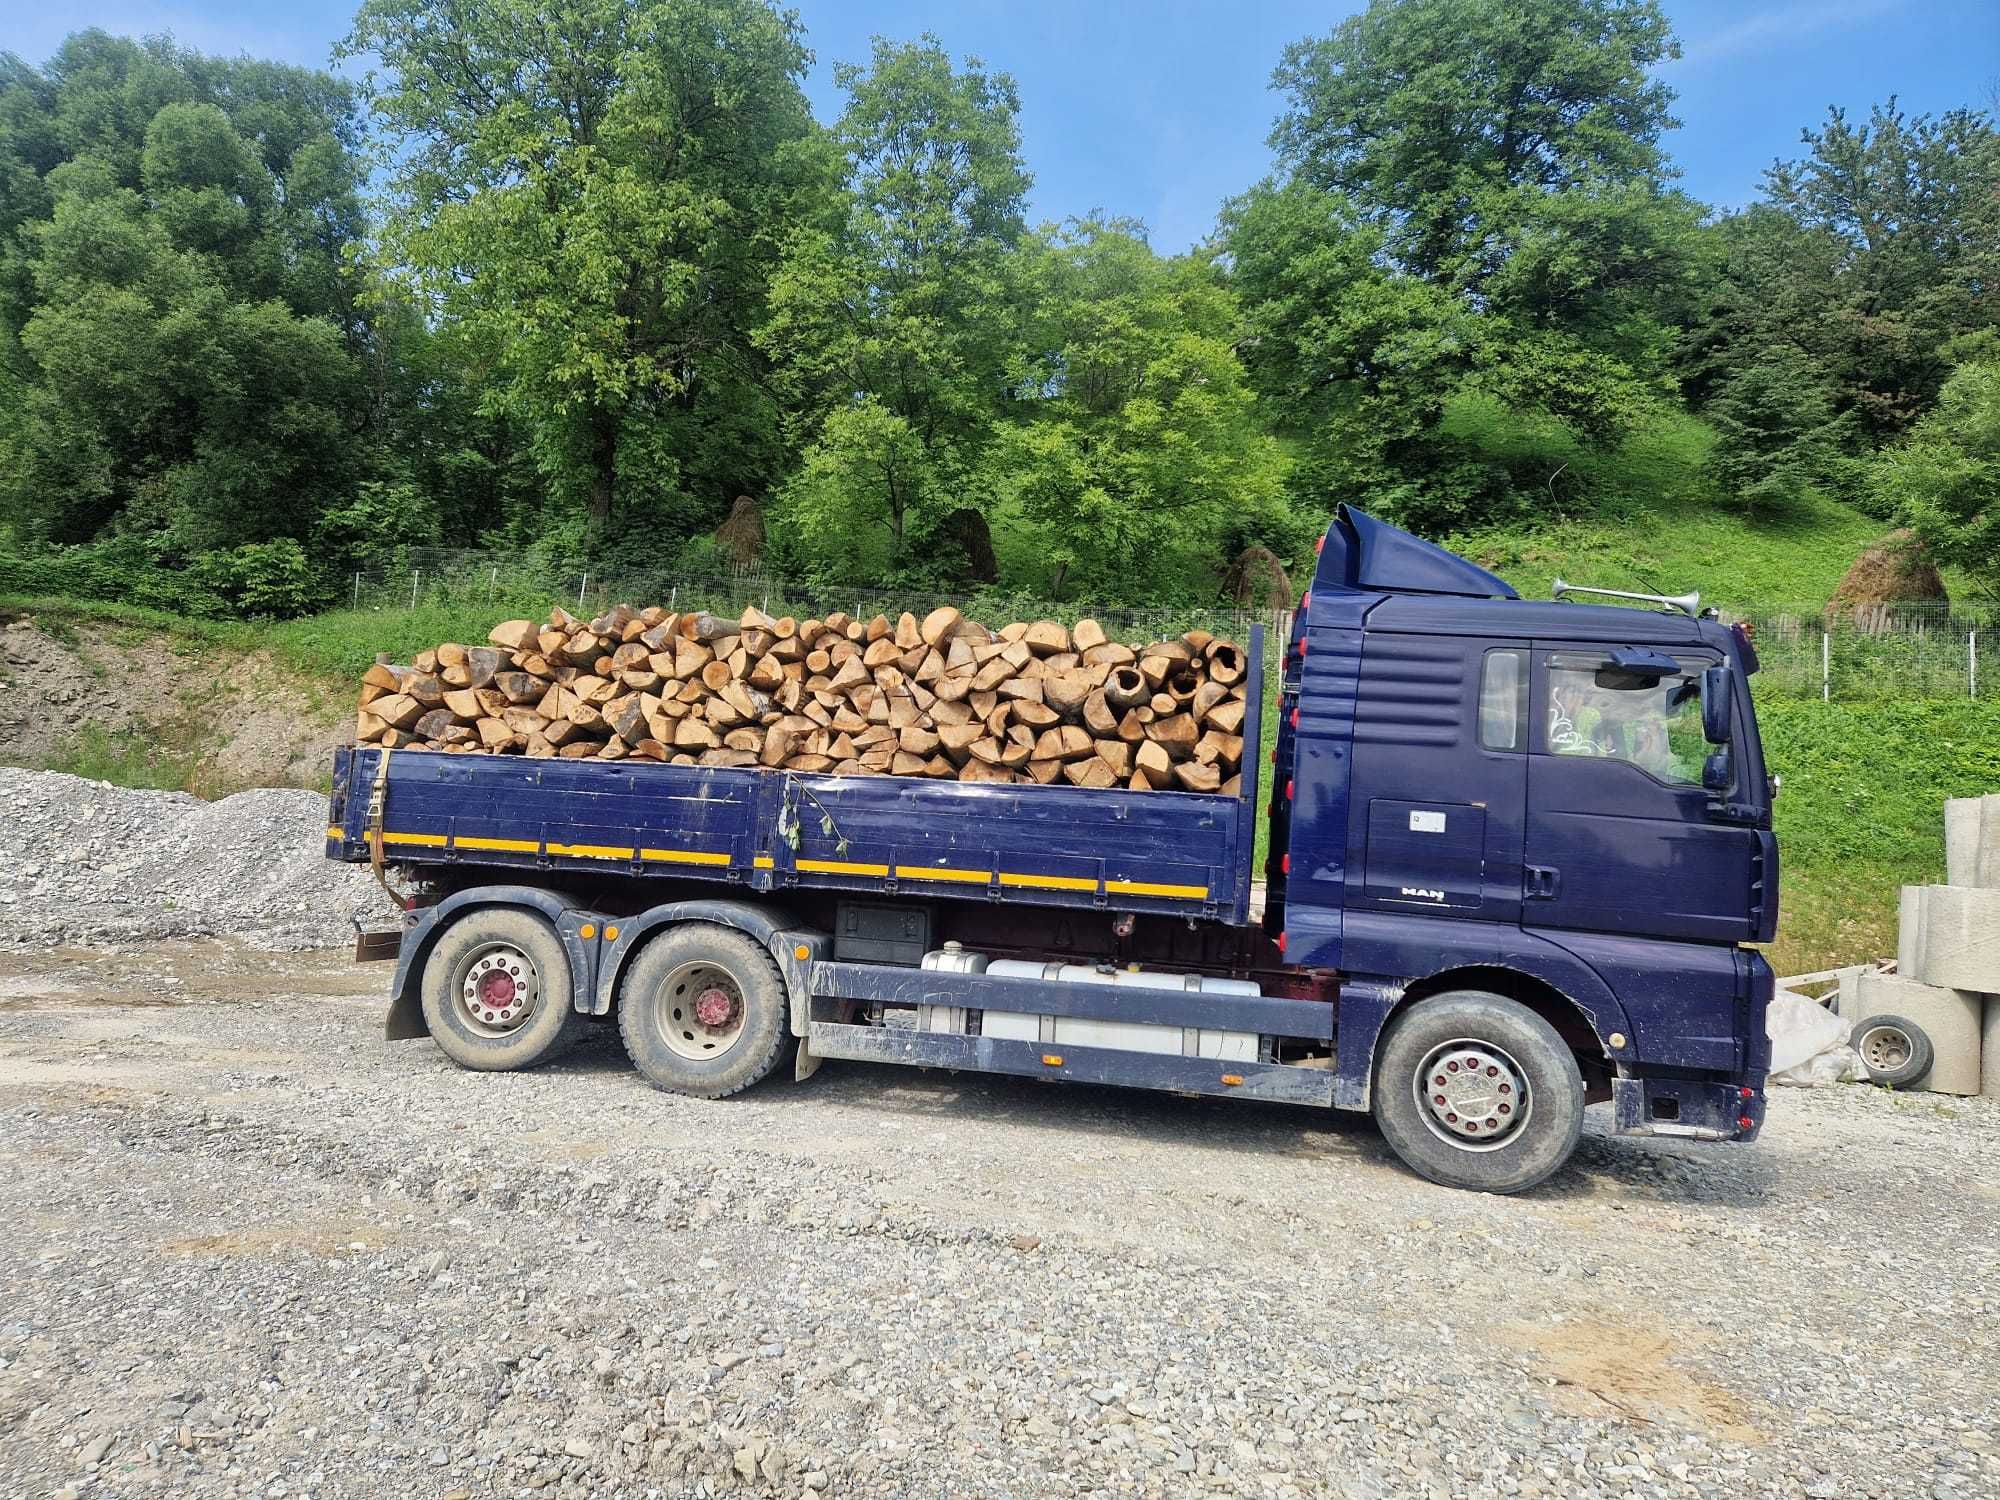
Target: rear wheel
{"points": [[496, 991], [1475, 1091], [703, 1011]]}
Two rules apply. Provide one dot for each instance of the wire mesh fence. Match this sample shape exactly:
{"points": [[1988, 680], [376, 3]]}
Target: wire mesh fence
{"points": [[1903, 651]]}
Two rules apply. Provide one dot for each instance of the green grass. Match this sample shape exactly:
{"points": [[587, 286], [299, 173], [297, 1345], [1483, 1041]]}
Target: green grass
{"points": [[1789, 561], [1862, 813], [125, 758]]}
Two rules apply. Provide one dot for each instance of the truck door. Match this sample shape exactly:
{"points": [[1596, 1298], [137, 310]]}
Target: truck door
{"points": [[1440, 776], [1620, 836]]}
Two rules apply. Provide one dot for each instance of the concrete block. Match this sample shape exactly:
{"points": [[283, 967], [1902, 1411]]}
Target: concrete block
{"points": [[1958, 938], [1909, 928], [1972, 841], [1950, 1018], [1989, 1049]]}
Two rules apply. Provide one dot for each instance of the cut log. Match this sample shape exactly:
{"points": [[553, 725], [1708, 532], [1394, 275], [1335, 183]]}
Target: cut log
{"points": [[1225, 662], [939, 624], [1175, 733], [1086, 634], [1226, 717], [516, 635], [1091, 772], [1152, 759], [1125, 687], [1196, 777], [1098, 716]]}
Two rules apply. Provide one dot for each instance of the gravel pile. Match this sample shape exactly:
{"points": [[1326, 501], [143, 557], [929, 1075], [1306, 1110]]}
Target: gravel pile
{"points": [[85, 861], [258, 1251]]}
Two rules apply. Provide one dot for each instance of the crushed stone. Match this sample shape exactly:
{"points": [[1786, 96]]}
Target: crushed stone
{"points": [[87, 862]]}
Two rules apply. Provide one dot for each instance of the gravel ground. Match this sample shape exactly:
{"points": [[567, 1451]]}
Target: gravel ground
{"points": [[251, 1249], [87, 862]]}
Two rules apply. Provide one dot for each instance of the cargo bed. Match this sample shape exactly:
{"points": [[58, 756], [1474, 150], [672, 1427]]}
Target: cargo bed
{"points": [[1058, 845]]}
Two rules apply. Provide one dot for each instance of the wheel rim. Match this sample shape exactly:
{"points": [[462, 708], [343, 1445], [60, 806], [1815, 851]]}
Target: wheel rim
{"points": [[498, 989], [1472, 1095], [1886, 1048], [700, 1011]]}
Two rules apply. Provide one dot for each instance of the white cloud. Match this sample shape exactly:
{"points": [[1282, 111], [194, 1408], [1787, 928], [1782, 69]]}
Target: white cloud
{"points": [[1771, 30]]}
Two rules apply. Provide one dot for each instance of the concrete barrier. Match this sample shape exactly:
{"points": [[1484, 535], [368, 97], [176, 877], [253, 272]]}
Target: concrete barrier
{"points": [[1950, 1018], [1989, 1049], [1957, 938], [1972, 841], [1909, 928]]}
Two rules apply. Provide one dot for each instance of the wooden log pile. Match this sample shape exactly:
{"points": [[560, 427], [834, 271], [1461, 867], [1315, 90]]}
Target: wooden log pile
{"points": [[942, 697]]}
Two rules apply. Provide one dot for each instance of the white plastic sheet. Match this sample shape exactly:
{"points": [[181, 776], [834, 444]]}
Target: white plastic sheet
{"points": [[1808, 1042]]}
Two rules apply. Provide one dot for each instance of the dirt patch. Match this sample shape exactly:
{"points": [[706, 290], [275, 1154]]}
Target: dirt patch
{"points": [[1602, 1369], [236, 721], [344, 1238]]}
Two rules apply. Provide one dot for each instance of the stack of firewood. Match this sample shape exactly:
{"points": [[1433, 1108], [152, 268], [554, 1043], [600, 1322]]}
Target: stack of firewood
{"points": [[942, 696]]}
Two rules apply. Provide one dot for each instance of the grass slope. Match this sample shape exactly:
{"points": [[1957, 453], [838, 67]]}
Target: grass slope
{"points": [[1780, 562], [1862, 813]]}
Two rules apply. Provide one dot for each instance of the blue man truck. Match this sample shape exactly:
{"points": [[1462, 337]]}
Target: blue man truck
{"points": [[1518, 854]]}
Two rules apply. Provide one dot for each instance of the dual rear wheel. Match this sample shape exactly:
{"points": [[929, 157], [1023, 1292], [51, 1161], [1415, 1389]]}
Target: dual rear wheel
{"points": [[702, 1008]]}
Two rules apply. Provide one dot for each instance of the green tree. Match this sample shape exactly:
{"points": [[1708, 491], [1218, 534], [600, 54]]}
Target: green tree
{"points": [[896, 326], [593, 193], [1943, 480], [1776, 432], [176, 313], [1137, 452], [1442, 119]]}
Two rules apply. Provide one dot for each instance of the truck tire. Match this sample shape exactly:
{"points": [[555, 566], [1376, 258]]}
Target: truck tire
{"points": [[496, 991], [703, 1011], [1475, 1091], [1895, 1050]]}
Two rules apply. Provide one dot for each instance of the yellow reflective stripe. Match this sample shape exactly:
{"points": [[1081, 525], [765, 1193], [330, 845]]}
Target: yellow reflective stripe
{"points": [[840, 867], [427, 840], [504, 846], [764, 862], [1050, 882], [934, 872], [592, 851], [335, 833], [684, 856], [1150, 888]]}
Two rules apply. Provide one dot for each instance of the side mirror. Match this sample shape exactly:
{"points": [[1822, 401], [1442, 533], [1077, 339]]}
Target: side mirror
{"points": [[1715, 772], [1715, 705]]}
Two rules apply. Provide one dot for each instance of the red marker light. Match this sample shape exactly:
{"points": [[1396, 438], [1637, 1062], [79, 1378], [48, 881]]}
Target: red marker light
{"points": [[1288, 788], [1285, 864], [1295, 718], [1306, 599], [1281, 942], [1746, 1123], [1318, 545], [1304, 643], [1746, 1093]]}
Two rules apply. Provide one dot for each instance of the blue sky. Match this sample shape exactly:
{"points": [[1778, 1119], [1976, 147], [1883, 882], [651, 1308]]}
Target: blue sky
{"points": [[1159, 108]]}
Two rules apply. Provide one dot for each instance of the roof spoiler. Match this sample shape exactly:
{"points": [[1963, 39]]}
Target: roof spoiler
{"points": [[1360, 552]]}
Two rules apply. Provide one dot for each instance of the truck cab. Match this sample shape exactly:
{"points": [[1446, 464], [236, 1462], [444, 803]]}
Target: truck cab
{"points": [[1547, 799]]}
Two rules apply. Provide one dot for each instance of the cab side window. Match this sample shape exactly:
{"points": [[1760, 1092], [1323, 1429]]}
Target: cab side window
{"points": [[1503, 696], [1651, 720]]}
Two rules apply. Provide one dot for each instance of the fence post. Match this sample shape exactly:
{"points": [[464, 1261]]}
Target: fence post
{"points": [[1825, 665], [415, 574], [1972, 664], [581, 588], [674, 600], [357, 588], [493, 582]]}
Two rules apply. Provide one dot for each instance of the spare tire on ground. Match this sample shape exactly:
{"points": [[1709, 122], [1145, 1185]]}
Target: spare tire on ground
{"points": [[1895, 1050]]}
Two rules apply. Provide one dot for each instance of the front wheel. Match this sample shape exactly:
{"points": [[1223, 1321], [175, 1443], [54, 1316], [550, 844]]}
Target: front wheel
{"points": [[703, 1011], [1475, 1091]]}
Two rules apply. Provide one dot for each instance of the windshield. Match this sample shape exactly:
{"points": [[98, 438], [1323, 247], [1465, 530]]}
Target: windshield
{"points": [[1649, 719]]}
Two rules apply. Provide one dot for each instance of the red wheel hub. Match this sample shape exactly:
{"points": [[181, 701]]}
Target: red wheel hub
{"points": [[714, 1008], [497, 988]]}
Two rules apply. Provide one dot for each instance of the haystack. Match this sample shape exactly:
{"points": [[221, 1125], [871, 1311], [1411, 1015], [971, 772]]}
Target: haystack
{"points": [[743, 533], [1257, 580], [1894, 570]]}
